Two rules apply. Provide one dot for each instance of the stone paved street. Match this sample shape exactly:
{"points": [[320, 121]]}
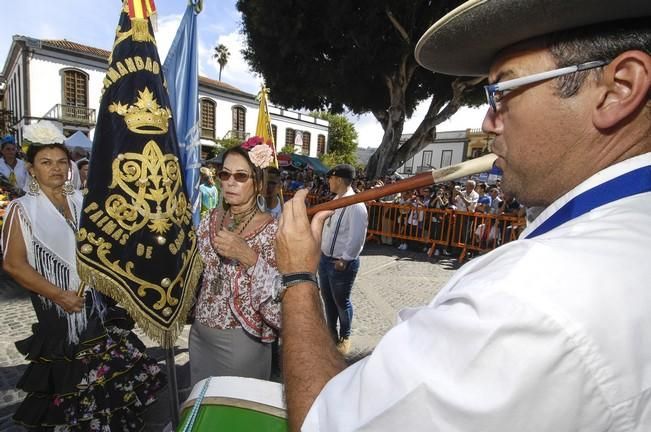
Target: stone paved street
{"points": [[388, 281]]}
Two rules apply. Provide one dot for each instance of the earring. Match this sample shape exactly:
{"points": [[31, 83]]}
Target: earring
{"points": [[68, 188], [261, 203], [32, 187]]}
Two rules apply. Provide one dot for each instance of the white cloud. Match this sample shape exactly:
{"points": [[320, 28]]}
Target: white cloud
{"points": [[236, 72], [369, 131], [465, 118], [167, 27]]}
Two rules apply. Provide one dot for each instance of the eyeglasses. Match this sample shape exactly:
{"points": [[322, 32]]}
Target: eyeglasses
{"points": [[240, 177], [495, 92]]}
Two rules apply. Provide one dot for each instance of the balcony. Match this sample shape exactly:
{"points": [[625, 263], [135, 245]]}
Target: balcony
{"points": [[207, 133], [72, 115], [237, 134]]}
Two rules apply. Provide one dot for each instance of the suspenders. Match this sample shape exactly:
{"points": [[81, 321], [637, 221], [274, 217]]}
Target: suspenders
{"points": [[334, 237]]}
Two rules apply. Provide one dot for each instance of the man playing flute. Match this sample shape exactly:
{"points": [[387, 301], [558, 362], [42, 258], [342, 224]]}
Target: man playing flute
{"points": [[547, 333]]}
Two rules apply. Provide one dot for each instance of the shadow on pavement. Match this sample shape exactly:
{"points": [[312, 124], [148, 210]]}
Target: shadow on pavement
{"points": [[10, 384], [9, 288]]}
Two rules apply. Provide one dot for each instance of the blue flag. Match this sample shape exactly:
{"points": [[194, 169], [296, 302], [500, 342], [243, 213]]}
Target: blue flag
{"points": [[182, 75]]}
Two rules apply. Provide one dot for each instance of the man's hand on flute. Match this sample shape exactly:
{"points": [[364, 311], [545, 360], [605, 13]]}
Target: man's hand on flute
{"points": [[310, 357]]}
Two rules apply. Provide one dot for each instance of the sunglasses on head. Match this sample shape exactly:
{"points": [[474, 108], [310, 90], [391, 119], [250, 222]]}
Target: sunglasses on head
{"points": [[240, 177]]}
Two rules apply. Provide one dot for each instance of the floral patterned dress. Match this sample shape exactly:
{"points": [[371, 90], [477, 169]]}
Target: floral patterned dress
{"points": [[233, 296], [100, 384]]}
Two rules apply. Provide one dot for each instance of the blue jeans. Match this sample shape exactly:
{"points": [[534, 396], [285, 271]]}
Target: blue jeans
{"points": [[335, 289]]}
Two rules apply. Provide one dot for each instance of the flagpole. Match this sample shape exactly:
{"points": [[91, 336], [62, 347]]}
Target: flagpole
{"points": [[173, 386], [181, 73], [264, 130]]}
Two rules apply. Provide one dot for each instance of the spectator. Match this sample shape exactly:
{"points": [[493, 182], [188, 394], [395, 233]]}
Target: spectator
{"points": [[10, 166], [343, 240]]}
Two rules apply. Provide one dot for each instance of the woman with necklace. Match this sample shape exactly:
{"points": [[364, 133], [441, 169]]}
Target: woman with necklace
{"points": [[236, 318], [87, 370]]}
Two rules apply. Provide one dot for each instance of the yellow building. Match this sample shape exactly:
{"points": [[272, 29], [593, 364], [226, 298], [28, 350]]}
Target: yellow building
{"points": [[478, 143]]}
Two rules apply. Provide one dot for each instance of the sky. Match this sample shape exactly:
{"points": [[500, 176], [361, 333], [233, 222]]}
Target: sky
{"points": [[93, 23]]}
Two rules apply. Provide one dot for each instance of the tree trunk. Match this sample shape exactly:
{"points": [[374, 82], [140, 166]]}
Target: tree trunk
{"points": [[390, 155]]}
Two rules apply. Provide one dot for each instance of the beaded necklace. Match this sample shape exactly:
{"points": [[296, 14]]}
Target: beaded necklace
{"points": [[238, 222]]}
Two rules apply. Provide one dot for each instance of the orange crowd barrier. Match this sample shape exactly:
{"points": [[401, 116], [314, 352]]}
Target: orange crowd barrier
{"points": [[444, 229]]}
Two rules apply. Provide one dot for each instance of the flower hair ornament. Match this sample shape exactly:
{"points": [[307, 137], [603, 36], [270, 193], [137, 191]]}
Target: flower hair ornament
{"points": [[43, 133], [260, 153]]}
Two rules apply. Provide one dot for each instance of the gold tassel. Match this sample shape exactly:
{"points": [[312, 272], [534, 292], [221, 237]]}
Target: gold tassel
{"points": [[140, 30], [165, 337]]}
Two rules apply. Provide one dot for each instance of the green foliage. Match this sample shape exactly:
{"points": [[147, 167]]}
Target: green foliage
{"points": [[342, 137], [221, 54], [339, 53], [289, 149], [226, 143], [211, 152]]}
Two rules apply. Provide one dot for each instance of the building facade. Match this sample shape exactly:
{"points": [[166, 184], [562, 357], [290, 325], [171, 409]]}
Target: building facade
{"points": [[448, 148], [61, 80]]}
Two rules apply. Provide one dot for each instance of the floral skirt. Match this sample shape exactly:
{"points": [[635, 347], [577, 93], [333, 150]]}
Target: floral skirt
{"points": [[101, 384]]}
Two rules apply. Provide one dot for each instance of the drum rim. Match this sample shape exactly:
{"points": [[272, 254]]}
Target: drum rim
{"points": [[237, 403]]}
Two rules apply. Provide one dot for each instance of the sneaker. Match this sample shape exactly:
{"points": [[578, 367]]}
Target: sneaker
{"points": [[437, 252], [403, 246], [343, 346]]}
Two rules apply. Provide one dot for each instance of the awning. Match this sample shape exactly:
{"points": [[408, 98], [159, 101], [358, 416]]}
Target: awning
{"points": [[79, 139], [305, 161]]}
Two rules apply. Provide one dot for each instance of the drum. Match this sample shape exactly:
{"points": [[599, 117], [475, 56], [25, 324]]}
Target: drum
{"points": [[235, 404]]}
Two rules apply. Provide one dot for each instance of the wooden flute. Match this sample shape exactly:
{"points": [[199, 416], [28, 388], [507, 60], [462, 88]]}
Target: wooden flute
{"points": [[452, 172]]}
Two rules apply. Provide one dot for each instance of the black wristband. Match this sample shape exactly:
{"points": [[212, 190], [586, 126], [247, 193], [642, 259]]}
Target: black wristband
{"points": [[290, 279]]}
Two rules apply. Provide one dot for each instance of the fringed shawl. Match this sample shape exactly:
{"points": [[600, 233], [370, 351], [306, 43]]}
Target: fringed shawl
{"points": [[50, 245]]}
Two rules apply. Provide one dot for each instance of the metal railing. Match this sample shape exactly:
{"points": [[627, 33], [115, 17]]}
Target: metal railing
{"points": [[70, 114], [237, 134]]}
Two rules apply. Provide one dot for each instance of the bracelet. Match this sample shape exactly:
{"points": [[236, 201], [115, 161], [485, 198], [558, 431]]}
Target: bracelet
{"points": [[290, 279]]}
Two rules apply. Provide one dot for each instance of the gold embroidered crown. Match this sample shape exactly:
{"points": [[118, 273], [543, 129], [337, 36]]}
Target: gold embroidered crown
{"points": [[145, 116]]}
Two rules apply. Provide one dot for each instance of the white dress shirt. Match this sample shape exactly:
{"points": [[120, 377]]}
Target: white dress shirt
{"points": [[352, 222], [551, 333], [472, 197]]}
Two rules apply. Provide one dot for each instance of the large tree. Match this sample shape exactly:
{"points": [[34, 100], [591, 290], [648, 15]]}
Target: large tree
{"points": [[355, 55]]}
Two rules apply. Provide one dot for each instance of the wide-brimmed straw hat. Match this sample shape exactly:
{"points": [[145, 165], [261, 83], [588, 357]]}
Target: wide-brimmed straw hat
{"points": [[465, 41]]}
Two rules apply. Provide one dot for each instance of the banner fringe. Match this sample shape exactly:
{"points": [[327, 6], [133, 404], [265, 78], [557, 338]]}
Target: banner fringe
{"points": [[165, 337], [140, 30]]}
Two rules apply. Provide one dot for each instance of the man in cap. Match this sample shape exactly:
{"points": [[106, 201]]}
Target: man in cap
{"points": [[343, 239], [547, 333]]}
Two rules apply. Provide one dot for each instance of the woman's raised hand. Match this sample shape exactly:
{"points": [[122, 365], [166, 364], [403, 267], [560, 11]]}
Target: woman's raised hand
{"points": [[231, 245]]}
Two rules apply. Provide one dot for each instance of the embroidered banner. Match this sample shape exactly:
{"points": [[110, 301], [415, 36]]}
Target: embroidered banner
{"points": [[136, 242]]}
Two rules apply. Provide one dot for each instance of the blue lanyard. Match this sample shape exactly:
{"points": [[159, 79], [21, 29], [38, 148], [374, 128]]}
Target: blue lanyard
{"points": [[632, 183]]}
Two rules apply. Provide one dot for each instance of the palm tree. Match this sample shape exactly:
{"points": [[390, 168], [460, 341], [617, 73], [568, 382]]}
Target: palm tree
{"points": [[221, 54]]}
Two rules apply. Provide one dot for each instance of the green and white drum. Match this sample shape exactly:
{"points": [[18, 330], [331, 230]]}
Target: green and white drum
{"points": [[234, 404]]}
